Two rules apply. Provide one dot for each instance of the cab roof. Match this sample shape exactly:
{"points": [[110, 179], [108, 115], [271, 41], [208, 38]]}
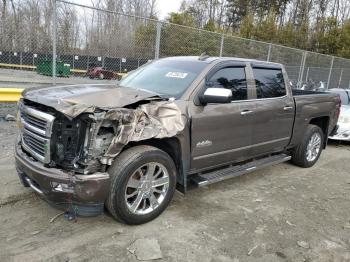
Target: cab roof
{"points": [[211, 59]]}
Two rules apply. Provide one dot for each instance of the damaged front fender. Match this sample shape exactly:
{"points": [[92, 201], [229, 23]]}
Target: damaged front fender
{"points": [[153, 120]]}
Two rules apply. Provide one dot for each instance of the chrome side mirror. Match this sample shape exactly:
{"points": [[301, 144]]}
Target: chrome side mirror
{"points": [[216, 96]]}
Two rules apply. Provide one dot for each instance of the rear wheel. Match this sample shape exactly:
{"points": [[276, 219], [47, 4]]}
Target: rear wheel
{"points": [[142, 184], [309, 150]]}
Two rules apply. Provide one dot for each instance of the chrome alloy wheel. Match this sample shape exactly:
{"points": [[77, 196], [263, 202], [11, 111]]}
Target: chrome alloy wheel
{"points": [[313, 147], [146, 188]]}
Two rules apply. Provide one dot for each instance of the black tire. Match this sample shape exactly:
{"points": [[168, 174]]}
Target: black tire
{"points": [[123, 168], [299, 153]]}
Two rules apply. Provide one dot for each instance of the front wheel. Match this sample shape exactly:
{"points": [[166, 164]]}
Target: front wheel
{"points": [[309, 150], [143, 182]]}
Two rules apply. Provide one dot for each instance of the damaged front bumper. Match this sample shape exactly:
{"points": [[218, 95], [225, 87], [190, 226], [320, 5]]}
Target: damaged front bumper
{"points": [[85, 194]]}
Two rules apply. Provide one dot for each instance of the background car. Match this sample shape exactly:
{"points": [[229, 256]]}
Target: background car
{"points": [[100, 73], [343, 125]]}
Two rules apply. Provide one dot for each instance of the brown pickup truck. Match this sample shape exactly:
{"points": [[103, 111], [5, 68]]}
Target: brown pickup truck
{"points": [[180, 122]]}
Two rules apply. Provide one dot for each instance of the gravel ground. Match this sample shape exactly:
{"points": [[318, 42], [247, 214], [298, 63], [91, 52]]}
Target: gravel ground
{"points": [[280, 213]]}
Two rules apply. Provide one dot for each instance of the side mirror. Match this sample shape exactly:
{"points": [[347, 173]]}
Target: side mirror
{"points": [[216, 95]]}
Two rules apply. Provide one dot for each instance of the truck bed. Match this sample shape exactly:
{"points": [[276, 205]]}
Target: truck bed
{"points": [[299, 92]]}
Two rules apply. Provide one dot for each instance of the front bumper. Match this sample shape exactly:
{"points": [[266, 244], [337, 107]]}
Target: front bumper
{"points": [[86, 194]]}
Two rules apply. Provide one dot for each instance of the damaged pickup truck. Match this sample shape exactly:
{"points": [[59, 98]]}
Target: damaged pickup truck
{"points": [[180, 122]]}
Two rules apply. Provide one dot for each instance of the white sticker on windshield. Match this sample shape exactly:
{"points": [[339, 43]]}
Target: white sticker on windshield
{"points": [[176, 74]]}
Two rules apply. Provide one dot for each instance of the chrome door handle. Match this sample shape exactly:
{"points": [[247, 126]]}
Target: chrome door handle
{"points": [[246, 112], [287, 108]]}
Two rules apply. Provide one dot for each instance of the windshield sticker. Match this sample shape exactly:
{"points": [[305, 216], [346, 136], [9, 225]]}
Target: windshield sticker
{"points": [[176, 74]]}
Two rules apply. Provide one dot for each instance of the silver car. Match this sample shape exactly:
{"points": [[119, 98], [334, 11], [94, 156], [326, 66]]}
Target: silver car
{"points": [[343, 125]]}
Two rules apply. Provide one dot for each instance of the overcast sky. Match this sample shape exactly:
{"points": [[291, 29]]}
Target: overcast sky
{"points": [[164, 7]]}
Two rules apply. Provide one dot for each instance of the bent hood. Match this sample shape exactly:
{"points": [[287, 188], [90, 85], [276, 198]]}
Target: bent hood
{"points": [[73, 100]]}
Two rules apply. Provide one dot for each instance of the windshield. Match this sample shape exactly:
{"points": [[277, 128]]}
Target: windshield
{"points": [[168, 78]]}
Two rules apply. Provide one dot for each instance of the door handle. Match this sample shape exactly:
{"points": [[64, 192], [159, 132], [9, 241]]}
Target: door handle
{"points": [[287, 108], [246, 112]]}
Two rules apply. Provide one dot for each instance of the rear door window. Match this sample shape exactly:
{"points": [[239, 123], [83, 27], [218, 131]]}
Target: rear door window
{"points": [[269, 83], [231, 78]]}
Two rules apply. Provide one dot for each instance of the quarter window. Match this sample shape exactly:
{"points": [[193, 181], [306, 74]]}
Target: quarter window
{"points": [[231, 78], [269, 83]]}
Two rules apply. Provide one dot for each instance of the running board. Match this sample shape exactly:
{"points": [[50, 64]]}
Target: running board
{"points": [[200, 180]]}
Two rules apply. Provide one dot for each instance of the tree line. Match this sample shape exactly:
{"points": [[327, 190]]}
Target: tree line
{"points": [[317, 25], [27, 25], [321, 26]]}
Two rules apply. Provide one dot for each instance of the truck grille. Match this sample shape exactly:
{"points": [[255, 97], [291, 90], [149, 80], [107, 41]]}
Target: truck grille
{"points": [[36, 143], [34, 121], [36, 132]]}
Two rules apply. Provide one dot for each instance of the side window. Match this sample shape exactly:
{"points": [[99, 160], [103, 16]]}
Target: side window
{"points": [[231, 78], [269, 82]]}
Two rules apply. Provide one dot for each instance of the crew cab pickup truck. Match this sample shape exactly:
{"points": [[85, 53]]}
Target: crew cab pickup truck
{"points": [[174, 123]]}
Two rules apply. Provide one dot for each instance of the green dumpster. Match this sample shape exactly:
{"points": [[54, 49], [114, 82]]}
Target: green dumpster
{"points": [[45, 68]]}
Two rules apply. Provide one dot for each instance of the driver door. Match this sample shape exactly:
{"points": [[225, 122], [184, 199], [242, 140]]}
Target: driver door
{"points": [[222, 133]]}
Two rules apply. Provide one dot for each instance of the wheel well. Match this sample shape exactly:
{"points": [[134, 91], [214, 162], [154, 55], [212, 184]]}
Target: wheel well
{"points": [[170, 145], [322, 122]]}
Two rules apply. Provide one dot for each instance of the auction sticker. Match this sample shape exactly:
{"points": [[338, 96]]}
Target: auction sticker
{"points": [[176, 74]]}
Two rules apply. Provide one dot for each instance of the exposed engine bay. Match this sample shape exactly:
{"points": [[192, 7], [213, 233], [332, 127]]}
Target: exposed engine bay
{"points": [[86, 139]]}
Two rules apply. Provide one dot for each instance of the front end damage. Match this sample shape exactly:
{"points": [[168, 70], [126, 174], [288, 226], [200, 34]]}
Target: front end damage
{"points": [[67, 144]]}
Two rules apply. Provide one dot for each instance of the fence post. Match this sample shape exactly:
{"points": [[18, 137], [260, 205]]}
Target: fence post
{"points": [[54, 41], [302, 66], [330, 72], [222, 44], [340, 78], [269, 53], [159, 29], [307, 74]]}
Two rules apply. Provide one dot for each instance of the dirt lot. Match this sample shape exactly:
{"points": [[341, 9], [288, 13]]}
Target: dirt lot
{"points": [[281, 213]]}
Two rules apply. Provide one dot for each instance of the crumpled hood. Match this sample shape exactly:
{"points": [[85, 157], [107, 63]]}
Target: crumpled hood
{"points": [[73, 100]]}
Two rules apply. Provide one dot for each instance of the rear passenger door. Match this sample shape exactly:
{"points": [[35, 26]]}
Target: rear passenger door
{"points": [[274, 111]]}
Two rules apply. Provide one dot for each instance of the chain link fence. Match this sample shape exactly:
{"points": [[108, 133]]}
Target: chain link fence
{"points": [[89, 40]]}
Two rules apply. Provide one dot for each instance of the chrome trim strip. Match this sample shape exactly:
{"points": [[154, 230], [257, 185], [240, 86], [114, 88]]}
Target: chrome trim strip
{"points": [[40, 138], [43, 116], [42, 134], [260, 99], [46, 158], [33, 186], [33, 128], [33, 153], [240, 148]]}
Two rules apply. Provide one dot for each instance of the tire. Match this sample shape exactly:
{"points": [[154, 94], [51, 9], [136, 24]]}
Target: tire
{"points": [[126, 168], [300, 155], [101, 76]]}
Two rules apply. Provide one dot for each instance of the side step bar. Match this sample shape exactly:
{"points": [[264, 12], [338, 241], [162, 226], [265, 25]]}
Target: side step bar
{"points": [[200, 180]]}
